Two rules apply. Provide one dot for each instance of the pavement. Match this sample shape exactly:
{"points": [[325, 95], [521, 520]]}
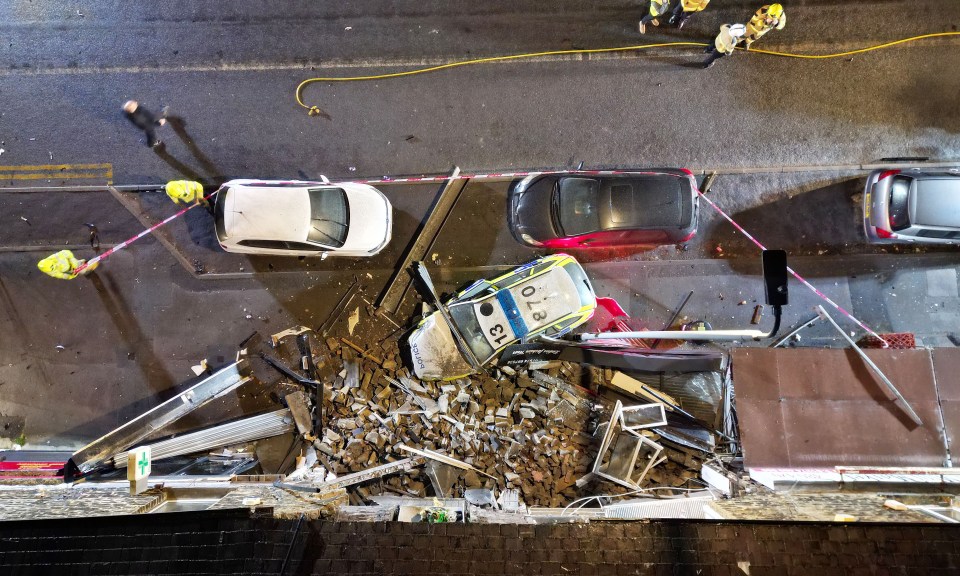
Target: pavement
{"points": [[790, 135]]}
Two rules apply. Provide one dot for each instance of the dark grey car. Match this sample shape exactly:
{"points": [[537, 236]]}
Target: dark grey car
{"points": [[604, 208], [912, 206]]}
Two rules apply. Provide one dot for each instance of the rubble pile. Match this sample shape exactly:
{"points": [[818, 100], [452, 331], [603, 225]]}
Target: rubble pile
{"points": [[529, 430]]}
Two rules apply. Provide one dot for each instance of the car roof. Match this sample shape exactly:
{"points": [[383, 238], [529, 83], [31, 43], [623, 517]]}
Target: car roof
{"points": [[264, 212], [936, 201], [650, 200], [524, 312]]}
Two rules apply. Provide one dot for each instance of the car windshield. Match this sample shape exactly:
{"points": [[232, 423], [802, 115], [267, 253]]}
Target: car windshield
{"points": [[582, 284], [899, 192], [329, 216], [575, 204], [465, 318], [218, 209]]}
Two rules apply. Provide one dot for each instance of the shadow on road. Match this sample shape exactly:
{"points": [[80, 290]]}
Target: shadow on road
{"points": [[214, 176], [821, 221], [139, 346]]}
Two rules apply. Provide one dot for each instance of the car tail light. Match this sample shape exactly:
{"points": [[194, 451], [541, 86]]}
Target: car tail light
{"points": [[689, 173], [881, 233], [887, 174]]}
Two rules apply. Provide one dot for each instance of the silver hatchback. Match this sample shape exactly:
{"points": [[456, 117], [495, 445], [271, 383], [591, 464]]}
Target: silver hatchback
{"points": [[902, 206]]}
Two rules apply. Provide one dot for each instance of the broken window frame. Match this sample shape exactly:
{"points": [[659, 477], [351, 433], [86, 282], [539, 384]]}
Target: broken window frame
{"points": [[617, 428]]}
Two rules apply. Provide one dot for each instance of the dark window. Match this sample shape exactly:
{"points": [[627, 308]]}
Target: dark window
{"points": [[278, 184], [584, 289], [464, 316], [329, 216], [268, 244], [279, 245], [899, 193], [577, 203], [304, 246], [944, 234], [218, 209]]}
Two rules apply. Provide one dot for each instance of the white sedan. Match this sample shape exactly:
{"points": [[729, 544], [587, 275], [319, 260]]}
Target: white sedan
{"points": [[292, 218]]}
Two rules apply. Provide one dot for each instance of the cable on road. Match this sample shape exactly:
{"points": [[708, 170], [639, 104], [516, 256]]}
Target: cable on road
{"points": [[315, 111], [852, 52]]}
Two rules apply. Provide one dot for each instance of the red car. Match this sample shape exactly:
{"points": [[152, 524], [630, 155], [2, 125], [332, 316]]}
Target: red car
{"points": [[604, 208]]}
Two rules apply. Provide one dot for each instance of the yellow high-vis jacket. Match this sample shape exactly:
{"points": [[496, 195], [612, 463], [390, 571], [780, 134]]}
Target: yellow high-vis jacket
{"points": [[659, 7], [694, 5], [186, 191], [61, 265], [757, 26]]}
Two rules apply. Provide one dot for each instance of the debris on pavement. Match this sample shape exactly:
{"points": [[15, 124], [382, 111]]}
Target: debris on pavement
{"points": [[532, 433]]}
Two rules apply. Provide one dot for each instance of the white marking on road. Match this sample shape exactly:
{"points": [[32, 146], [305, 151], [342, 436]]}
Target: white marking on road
{"points": [[313, 66]]}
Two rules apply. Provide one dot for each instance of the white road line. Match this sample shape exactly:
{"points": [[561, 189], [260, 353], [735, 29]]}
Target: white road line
{"points": [[311, 67], [507, 176]]}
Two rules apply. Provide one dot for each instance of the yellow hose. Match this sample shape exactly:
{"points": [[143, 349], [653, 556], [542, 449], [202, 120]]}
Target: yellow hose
{"points": [[852, 52], [313, 110]]}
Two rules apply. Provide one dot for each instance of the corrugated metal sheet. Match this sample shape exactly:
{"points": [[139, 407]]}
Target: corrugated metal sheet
{"points": [[693, 507], [244, 430]]}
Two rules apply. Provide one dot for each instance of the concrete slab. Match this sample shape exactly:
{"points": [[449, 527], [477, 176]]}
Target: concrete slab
{"points": [[942, 283]]}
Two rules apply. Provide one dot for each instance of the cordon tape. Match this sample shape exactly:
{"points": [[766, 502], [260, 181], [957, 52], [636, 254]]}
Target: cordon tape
{"points": [[313, 111], [489, 176]]}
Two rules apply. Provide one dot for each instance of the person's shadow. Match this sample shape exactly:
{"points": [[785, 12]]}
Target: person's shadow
{"points": [[198, 222], [139, 346], [214, 176]]}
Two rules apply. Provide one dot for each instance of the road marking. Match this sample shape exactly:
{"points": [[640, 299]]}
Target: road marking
{"points": [[508, 176], [812, 47], [57, 172]]}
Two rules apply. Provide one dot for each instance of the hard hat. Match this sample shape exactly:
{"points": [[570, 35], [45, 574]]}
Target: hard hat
{"points": [[737, 29], [776, 10]]}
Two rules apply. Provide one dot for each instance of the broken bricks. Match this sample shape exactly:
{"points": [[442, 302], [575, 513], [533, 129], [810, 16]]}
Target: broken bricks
{"points": [[527, 431]]}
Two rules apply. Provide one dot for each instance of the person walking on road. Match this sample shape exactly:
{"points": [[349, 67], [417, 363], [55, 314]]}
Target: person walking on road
{"points": [[766, 19], [186, 191], [94, 237], [657, 9], [685, 9], [145, 120], [64, 265], [725, 42]]}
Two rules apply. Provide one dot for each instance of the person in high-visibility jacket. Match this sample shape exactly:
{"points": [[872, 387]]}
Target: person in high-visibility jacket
{"points": [[685, 9], [186, 191], [766, 19], [725, 42], [64, 265], [657, 9]]}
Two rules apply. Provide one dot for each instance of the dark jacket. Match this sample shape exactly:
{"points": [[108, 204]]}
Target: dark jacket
{"points": [[141, 118]]}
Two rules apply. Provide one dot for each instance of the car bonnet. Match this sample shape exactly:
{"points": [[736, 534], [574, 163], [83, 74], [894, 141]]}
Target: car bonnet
{"points": [[370, 217], [434, 352]]}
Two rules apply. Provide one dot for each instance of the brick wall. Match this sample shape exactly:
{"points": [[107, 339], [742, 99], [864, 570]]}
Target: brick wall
{"points": [[233, 542]]}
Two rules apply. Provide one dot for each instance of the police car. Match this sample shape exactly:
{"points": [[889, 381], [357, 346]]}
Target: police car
{"points": [[549, 296]]}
